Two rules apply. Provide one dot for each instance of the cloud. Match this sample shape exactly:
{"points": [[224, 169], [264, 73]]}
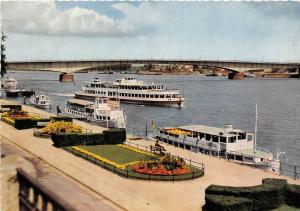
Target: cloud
{"points": [[45, 18]]}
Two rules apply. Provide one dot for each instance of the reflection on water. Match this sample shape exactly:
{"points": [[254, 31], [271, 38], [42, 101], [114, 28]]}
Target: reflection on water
{"points": [[211, 101]]}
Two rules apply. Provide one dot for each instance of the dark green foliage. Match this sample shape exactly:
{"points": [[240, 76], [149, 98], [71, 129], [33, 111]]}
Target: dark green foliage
{"points": [[115, 136], [3, 56], [62, 118], [293, 195], [27, 123], [12, 107], [73, 139], [21, 124], [270, 195], [226, 203]]}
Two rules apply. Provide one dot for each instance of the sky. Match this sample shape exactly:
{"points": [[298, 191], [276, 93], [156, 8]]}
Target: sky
{"points": [[246, 31]]}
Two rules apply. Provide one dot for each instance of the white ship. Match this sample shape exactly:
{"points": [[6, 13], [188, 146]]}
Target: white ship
{"points": [[40, 101], [234, 144], [131, 90], [103, 112], [9, 83]]}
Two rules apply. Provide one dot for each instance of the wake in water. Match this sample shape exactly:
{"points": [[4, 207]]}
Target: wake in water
{"points": [[62, 94]]}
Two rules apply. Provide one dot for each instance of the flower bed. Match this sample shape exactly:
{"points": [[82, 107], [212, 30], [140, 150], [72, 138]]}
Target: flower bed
{"points": [[160, 170], [166, 165], [61, 127]]}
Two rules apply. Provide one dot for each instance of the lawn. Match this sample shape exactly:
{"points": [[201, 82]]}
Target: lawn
{"points": [[115, 153]]}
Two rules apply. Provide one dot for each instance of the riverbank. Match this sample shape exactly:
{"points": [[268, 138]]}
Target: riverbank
{"points": [[135, 194]]}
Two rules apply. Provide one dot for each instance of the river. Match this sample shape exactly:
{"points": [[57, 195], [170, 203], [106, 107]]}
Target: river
{"points": [[213, 101]]}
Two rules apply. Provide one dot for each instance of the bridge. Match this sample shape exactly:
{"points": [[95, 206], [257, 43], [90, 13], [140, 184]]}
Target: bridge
{"points": [[69, 66]]}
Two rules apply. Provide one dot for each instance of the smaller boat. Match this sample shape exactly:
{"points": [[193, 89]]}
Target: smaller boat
{"points": [[9, 83], [103, 112], [40, 101]]}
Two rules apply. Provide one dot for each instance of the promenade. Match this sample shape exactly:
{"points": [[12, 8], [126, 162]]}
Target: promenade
{"points": [[131, 194]]}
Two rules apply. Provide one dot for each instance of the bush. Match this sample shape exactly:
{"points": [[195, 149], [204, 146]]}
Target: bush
{"points": [[27, 123], [62, 118], [72, 139], [114, 136], [226, 203], [12, 107], [293, 195], [269, 195]]}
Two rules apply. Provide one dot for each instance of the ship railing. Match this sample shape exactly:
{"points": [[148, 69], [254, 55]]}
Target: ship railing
{"points": [[275, 166]]}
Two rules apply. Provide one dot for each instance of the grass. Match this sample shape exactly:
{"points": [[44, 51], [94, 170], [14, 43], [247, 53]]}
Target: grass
{"points": [[122, 155], [115, 153]]}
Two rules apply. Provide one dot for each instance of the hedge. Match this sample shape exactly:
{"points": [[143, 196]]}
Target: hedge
{"points": [[21, 124], [12, 107], [270, 195], [62, 118], [72, 139], [293, 195], [115, 136], [27, 123], [226, 203]]}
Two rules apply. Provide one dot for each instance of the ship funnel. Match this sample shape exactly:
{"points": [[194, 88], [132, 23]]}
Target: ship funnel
{"points": [[228, 127]]}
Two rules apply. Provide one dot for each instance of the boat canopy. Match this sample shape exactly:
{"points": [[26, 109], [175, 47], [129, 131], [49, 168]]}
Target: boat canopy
{"points": [[80, 102]]}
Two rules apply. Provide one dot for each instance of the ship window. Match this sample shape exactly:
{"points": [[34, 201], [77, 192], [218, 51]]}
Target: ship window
{"points": [[147, 96], [140, 95], [143, 95], [161, 96], [168, 96], [232, 139], [151, 96], [156, 96], [104, 118], [207, 137], [249, 137], [215, 138], [223, 139], [201, 135], [108, 118]]}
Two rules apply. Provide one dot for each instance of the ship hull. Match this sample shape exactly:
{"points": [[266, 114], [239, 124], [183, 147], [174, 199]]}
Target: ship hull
{"points": [[173, 103]]}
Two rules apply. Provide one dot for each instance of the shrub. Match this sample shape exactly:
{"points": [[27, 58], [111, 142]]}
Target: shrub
{"points": [[24, 123], [114, 136], [293, 195], [265, 197], [62, 118], [73, 139], [226, 203], [12, 107]]}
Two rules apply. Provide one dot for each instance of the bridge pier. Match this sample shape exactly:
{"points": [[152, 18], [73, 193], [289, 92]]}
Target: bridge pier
{"points": [[66, 77], [236, 76]]}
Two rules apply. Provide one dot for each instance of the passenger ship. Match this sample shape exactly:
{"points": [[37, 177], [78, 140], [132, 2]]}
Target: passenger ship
{"points": [[103, 112], [131, 90], [233, 144]]}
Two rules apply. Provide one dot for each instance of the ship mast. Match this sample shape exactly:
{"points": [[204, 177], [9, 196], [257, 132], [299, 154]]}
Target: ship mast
{"points": [[255, 132]]}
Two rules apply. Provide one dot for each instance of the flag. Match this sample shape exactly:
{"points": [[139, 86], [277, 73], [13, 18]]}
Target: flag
{"points": [[154, 126]]}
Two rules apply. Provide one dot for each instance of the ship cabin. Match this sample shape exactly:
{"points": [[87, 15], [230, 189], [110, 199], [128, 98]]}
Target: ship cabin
{"points": [[206, 139], [77, 107]]}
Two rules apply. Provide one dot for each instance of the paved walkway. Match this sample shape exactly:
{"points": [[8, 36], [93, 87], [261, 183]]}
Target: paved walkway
{"points": [[136, 194]]}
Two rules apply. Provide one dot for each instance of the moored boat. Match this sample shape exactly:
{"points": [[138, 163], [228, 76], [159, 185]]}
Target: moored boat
{"points": [[40, 101], [131, 90], [103, 112], [9, 83]]}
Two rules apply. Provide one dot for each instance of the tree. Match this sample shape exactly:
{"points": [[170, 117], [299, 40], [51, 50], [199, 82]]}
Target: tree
{"points": [[3, 55]]}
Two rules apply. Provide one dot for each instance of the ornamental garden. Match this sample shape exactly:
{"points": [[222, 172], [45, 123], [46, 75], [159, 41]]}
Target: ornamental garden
{"points": [[108, 150]]}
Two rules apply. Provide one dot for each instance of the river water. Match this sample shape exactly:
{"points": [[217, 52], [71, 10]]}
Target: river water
{"points": [[213, 101]]}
